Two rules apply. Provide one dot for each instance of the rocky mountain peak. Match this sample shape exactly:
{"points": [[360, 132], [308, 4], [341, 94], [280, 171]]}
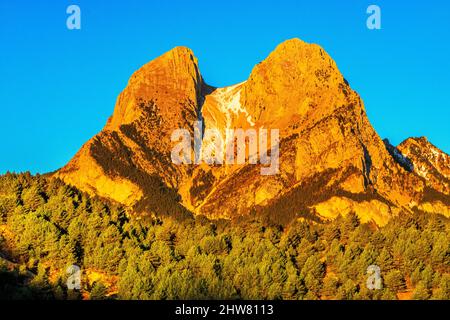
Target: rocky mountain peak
{"points": [[172, 81], [331, 162], [296, 82], [430, 163]]}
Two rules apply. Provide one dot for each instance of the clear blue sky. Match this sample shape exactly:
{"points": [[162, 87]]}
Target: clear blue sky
{"points": [[58, 87]]}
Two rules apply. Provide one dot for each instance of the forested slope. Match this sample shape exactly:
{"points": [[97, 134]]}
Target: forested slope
{"points": [[46, 226]]}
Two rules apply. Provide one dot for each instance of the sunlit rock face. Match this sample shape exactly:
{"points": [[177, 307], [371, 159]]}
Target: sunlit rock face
{"points": [[331, 160]]}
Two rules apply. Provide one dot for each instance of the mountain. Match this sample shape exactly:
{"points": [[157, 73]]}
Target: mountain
{"points": [[331, 160]]}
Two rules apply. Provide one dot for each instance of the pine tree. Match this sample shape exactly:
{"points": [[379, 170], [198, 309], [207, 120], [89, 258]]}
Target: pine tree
{"points": [[330, 286], [41, 284], [427, 276], [395, 281], [98, 291], [421, 292], [351, 222], [313, 266], [423, 248], [347, 291], [332, 233], [416, 275], [385, 261], [443, 290], [33, 198], [367, 257], [440, 255], [388, 295]]}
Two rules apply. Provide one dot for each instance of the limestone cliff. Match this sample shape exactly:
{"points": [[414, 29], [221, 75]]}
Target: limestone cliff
{"points": [[331, 159]]}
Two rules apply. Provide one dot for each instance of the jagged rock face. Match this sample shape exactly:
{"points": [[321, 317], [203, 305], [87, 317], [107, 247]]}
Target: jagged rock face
{"points": [[296, 86], [325, 135], [331, 159], [433, 167], [174, 84], [429, 162], [129, 161]]}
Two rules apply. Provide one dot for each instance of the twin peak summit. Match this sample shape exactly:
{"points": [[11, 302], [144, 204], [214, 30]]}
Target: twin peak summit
{"points": [[331, 160]]}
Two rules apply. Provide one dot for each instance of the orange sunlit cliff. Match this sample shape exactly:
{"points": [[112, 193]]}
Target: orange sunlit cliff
{"points": [[331, 159]]}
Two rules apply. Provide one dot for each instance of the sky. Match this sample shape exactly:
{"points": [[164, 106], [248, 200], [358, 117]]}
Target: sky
{"points": [[59, 86]]}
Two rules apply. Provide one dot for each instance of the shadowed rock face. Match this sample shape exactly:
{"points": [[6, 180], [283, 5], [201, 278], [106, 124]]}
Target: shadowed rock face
{"points": [[331, 159]]}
